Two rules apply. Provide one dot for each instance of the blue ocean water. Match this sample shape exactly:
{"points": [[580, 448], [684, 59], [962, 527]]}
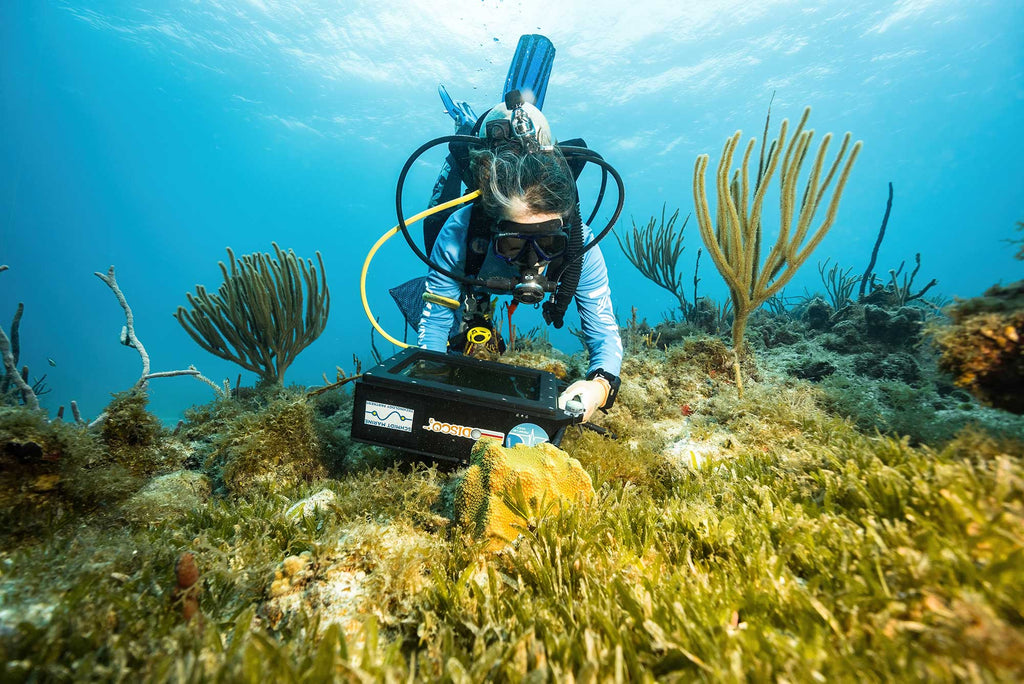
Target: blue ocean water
{"points": [[153, 135]]}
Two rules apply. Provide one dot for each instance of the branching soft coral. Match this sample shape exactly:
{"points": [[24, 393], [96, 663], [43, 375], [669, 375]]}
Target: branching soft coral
{"points": [[734, 239]]}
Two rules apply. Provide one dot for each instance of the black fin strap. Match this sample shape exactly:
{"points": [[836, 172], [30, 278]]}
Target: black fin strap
{"points": [[569, 279]]}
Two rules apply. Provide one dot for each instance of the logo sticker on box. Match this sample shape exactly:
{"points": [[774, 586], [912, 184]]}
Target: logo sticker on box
{"points": [[388, 416], [527, 434], [461, 430]]}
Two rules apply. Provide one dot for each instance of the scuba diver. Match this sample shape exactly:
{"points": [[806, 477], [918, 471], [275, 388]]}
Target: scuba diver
{"points": [[524, 236]]}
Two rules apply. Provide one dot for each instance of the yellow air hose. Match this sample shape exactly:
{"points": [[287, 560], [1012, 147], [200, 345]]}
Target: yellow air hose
{"points": [[387, 236]]}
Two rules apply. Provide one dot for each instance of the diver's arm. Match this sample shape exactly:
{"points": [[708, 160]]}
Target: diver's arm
{"points": [[449, 252], [601, 335], [594, 302]]}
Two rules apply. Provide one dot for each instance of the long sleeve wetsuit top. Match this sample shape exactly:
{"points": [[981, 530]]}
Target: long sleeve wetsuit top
{"points": [[593, 296]]}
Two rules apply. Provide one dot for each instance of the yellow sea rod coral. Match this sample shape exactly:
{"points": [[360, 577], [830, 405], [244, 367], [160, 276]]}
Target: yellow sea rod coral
{"points": [[546, 475]]}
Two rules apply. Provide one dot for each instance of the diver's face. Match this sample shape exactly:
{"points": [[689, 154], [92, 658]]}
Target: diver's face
{"points": [[531, 242], [524, 215]]}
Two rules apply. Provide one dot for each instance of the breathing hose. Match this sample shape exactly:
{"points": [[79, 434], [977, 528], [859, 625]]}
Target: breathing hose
{"points": [[387, 236], [583, 153]]}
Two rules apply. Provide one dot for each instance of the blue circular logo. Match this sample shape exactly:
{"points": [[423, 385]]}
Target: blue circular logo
{"points": [[527, 434]]}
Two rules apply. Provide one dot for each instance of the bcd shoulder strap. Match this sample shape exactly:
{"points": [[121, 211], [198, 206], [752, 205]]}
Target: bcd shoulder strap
{"points": [[478, 239]]}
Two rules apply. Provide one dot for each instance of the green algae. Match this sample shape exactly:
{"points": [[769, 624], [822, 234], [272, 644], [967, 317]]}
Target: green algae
{"points": [[271, 449], [51, 472], [765, 567], [133, 435]]}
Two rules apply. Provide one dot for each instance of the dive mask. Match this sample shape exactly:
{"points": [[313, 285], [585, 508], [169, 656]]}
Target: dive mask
{"points": [[513, 241]]}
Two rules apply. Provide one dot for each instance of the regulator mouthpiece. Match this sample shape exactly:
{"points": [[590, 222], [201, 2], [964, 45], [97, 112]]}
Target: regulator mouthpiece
{"points": [[530, 288]]}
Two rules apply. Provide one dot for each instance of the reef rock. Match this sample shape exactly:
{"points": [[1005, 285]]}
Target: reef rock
{"points": [[902, 327], [817, 315], [269, 451], [167, 497], [845, 337], [545, 474], [291, 573], [983, 347], [894, 366], [812, 369], [50, 466], [373, 570]]}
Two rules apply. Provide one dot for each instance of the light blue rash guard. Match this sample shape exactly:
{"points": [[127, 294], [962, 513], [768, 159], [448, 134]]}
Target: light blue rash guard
{"points": [[593, 296]]}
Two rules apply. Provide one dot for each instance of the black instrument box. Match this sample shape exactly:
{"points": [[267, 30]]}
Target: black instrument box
{"points": [[438, 405]]}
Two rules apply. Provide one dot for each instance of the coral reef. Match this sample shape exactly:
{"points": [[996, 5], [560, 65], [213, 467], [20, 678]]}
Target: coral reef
{"points": [[983, 346], [792, 536], [14, 385], [322, 500], [129, 339], [168, 498], [504, 490], [1018, 241], [655, 251], [291, 574], [773, 536], [373, 572], [131, 433], [555, 363], [897, 293], [817, 314], [885, 382], [333, 424], [51, 470], [838, 284], [899, 327]]}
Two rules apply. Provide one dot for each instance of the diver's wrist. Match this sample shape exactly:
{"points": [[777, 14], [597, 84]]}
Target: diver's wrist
{"points": [[608, 380], [607, 389]]}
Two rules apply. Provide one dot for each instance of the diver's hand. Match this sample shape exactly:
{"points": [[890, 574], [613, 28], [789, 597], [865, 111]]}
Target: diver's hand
{"points": [[592, 393]]}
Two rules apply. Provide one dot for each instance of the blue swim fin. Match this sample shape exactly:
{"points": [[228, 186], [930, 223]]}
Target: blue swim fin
{"points": [[531, 68], [528, 73], [462, 113]]}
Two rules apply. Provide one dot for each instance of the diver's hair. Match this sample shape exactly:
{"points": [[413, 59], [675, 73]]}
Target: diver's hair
{"points": [[508, 179]]}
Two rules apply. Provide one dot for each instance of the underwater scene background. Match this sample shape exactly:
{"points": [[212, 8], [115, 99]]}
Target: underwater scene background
{"points": [[827, 488], [152, 136]]}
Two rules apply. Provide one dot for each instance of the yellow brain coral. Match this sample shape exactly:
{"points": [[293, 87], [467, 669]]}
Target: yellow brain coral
{"points": [[546, 475]]}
